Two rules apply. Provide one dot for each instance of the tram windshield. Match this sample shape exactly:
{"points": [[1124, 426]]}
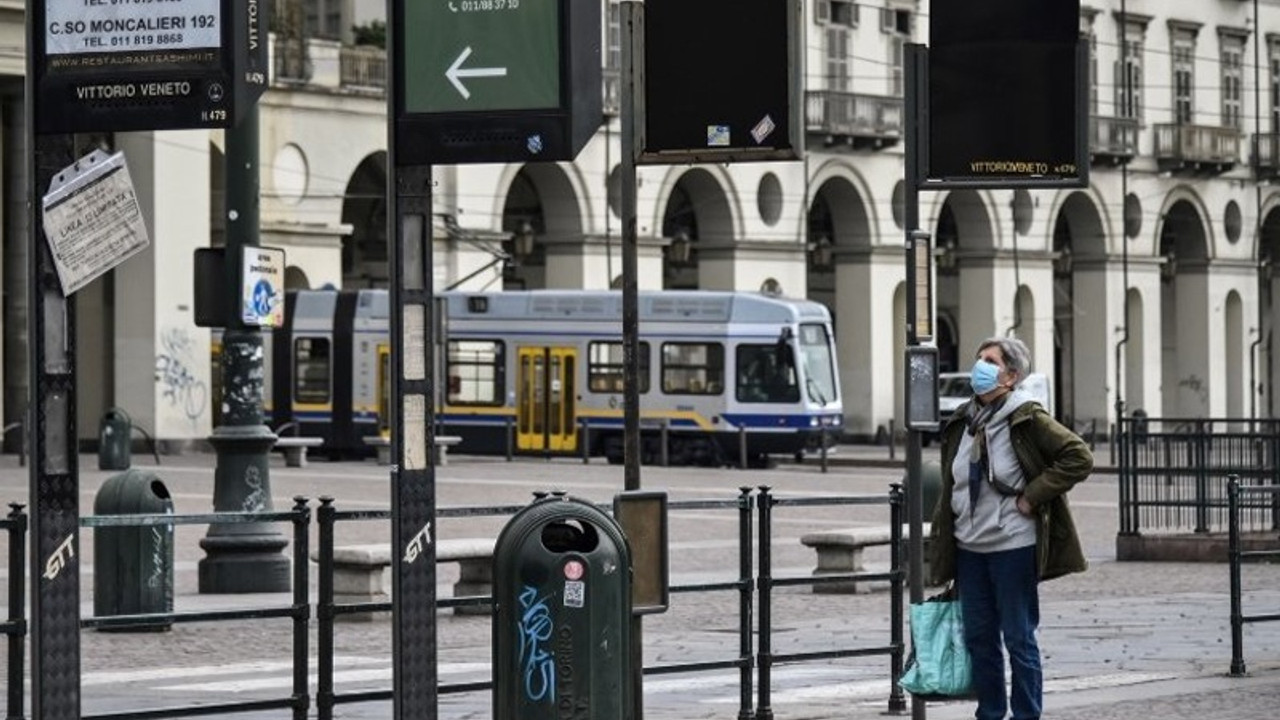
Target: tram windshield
{"points": [[819, 370]]}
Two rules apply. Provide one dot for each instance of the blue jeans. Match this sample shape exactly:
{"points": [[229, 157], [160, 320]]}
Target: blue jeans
{"points": [[999, 597]]}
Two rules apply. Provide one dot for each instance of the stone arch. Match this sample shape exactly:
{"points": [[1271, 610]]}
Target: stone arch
{"points": [[839, 170], [1234, 341], [699, 208], [1135, 351], [1079, 246], [971, 218], [364, 210], [837, 219], [1185, 243], [542, 201], [295, 278]]}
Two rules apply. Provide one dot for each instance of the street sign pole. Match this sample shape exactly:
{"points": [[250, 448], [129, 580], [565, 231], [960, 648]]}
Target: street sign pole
{"points": [[242, 558], [632, 39]]}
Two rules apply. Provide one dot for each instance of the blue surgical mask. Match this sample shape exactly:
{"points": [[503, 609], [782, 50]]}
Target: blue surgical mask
{"points": [[984, 377]]}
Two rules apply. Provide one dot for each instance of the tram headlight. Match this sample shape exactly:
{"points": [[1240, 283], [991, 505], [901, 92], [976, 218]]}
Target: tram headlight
{"points": [[813, 422]]}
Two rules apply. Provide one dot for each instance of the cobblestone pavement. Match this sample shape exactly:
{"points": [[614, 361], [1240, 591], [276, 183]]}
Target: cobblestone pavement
{"points": [[1123, 640]]}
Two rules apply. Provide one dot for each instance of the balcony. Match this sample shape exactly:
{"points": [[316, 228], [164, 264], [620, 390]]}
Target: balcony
{"points": [[1197, 148], [290, 61], [1113, 141], [363, 66], [859, 121], [1266, 159]]}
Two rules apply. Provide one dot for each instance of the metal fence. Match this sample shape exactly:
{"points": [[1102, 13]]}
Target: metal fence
{"points": [[1236, 495], [299, 611], [1173, 473], [754, 586]]}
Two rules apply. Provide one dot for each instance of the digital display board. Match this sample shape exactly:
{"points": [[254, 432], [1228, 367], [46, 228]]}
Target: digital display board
{"points": [[470, 55], [712, 95], [480, 81], [1006, 94], [120, 65]]}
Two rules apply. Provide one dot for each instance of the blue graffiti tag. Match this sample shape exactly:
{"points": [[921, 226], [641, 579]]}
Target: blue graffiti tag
{"points": [[535, 629]]}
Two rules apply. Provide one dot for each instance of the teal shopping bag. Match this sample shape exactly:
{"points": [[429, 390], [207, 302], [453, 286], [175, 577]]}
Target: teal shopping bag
{"points": [[939, 665]]}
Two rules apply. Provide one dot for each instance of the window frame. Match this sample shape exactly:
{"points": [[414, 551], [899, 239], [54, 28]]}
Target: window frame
{"points": [[739, 362], [308, 396], [712, 384], [498, 380], [598, 370]]}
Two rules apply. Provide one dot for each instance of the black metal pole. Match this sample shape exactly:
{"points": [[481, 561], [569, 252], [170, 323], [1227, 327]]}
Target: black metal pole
{"points": [[897, 702], [916, 86], [632, 43], [54, 471], [764, 709], [324, 611], [242, 557], [1233, 556], [1122, 344], [301, 606], [745, 593], [17, 610]]}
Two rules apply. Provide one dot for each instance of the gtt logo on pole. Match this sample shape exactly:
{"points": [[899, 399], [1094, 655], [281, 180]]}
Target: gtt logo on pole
{"points": [[495, 80]]}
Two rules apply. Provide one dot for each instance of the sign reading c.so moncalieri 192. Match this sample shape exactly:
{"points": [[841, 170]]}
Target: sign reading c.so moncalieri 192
{"points": [[118, 65]]}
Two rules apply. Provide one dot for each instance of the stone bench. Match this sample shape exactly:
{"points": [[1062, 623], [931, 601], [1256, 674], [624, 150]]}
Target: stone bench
{"points": [[359, 572], [295, 449], [840, 552], [383, 447]]}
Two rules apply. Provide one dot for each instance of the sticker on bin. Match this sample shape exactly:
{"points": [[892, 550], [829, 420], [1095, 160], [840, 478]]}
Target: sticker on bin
{"points": [[575, 593], [574, 570]]}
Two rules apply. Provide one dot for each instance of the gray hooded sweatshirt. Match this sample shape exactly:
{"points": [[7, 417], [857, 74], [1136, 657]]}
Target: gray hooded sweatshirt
{"points": [[994, 523]]}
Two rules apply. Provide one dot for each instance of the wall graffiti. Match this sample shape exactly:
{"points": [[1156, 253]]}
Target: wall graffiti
{"points": [[175, 373], [537, 663], [255, 499]]}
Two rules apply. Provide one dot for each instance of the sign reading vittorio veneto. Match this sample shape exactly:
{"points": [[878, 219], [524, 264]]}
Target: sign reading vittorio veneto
{"points": [[147, 64]]}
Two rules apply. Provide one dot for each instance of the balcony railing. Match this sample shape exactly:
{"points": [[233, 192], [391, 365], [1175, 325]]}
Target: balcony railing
{"points": [[1113, 140], [363, 66], [1197, 147], [291, 60], [1266, 160], [853, 119]]}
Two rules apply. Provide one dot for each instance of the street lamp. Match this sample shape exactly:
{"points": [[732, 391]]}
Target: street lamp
{"points": [[680, 250], [822, 253]]}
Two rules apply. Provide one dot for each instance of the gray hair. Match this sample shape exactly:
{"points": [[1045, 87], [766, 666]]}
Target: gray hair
{"points": [[1017, 357]]}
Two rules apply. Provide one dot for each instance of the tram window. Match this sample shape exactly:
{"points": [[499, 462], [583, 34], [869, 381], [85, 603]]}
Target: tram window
{"points": [[692, 368], [311, 370], [766, 374], [605, 370], [818, 361], [475, 371]]}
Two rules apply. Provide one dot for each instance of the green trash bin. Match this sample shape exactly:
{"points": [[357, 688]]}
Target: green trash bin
{"points": [[562, 619], [115, 432], [133, 566]]}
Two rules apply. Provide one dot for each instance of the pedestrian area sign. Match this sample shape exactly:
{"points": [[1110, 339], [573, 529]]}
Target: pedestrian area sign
{"points": [[494, 80]]}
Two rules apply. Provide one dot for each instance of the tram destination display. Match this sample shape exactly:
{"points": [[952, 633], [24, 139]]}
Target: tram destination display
{"points": [[1005, 99], [120, 65]]}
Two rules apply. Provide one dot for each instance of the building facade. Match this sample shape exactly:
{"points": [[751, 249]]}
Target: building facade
{"points": [[1150, 289]]}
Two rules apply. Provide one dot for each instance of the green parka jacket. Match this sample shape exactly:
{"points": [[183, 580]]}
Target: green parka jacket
{"points": [[1053, 459]]}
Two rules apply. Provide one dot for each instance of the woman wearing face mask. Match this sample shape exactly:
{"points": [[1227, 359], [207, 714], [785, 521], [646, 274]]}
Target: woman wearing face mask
{"points": [[1002, 523]]}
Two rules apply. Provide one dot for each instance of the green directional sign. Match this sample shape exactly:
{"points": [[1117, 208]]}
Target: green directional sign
{"points": [[479, 55]]}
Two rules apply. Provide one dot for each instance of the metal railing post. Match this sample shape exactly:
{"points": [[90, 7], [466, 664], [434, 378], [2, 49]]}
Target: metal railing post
{"points": [[301, 607], [663, 458], [764, 710], [893, 440], [745, 593], [511, 438], [742, 447], [1233, 556], [585, 431], [324, 611], [822, 455], [17, 609], [897, 700], [1202, 477]]}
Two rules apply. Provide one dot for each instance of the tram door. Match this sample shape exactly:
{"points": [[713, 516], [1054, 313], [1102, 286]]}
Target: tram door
{"points": [[384, 390], [546, 412]]}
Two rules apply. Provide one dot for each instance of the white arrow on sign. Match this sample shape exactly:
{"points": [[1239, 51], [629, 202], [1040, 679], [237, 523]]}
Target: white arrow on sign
{"points": [[455, 73]]}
